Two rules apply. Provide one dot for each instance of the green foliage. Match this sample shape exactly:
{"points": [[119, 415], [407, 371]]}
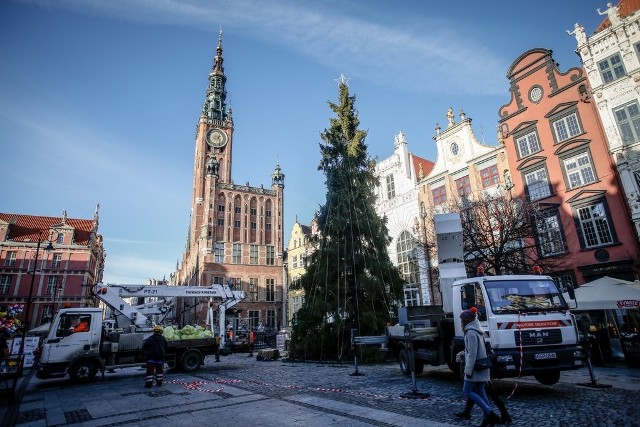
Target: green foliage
{"points": [[350, 281]]}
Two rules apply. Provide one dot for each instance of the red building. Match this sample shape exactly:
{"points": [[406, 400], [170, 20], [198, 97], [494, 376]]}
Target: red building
{"points": [[558, 155], [55, 259], [236, 231]]}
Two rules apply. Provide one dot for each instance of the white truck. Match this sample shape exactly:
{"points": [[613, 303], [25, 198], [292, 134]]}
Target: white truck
{"points": [[526, 318], [116, 341]]}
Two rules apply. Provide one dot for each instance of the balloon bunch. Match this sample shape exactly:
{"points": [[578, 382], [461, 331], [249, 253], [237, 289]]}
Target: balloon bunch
{"points": [[8, 321]]}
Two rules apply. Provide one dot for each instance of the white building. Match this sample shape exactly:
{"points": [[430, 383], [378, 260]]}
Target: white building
{"points": [[611, 59], [397, 200]]}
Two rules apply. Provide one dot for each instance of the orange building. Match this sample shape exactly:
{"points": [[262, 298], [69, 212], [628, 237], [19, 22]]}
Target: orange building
{"points": [[558, 156], [235, 232], [65, 270]]}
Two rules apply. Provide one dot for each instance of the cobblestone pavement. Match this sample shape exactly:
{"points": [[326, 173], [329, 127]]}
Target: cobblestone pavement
{"points": [[242, 390]]}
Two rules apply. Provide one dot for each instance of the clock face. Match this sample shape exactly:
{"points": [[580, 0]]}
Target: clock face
{"points": [[216, 138], [535, 94]]}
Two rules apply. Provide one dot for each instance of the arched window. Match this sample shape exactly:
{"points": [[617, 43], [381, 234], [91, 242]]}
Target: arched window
{"points": [[408, 267]]}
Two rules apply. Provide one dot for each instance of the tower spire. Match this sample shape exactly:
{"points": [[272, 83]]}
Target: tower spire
{"points": [[214, 108]]}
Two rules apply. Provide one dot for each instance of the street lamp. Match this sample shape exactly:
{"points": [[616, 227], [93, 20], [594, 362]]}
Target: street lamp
{"points": [[26, 323]]}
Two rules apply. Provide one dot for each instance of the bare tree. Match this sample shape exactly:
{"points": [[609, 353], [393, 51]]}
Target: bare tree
{"points": [[510, 235]]}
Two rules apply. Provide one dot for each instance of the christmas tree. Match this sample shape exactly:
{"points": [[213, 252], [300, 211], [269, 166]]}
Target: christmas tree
{"points": [[350, 283]]}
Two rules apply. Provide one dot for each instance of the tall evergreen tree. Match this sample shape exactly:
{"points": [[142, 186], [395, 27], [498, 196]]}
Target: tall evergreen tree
{"points": [[350, 281]]}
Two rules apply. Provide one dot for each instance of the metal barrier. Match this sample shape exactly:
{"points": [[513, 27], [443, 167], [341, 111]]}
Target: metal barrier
{"points": [[364, 340]]}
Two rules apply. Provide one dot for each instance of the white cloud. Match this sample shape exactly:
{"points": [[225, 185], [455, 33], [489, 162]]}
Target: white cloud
{"points": [[412, 56]]}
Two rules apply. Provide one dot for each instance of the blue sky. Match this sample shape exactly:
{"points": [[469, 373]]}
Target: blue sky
{"points": [[99, 99]]}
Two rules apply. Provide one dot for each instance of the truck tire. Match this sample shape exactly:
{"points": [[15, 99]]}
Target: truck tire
{"points": [[403, 360], [83, 371], [405, 367], [191, 361], [549, 377]]}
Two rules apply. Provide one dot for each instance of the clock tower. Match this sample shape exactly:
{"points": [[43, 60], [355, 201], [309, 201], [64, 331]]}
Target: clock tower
{"points": [[235, 232]]}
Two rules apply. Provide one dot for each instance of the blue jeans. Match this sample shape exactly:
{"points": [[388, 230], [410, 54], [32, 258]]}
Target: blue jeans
{"points": [[475, 392]]}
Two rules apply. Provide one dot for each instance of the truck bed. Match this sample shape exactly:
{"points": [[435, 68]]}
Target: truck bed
{"points": [[195, 342]]}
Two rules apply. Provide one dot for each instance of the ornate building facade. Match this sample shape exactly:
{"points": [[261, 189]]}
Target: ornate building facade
{"points": [[558, 152], [611, 57], [235, 234], [55, 260], [397, 201], [465, 168]]}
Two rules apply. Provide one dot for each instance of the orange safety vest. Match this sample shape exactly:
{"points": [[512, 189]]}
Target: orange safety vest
{"points": [[250, 337]]}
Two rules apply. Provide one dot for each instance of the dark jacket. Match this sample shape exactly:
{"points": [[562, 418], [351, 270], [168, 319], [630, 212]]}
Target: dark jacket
{"points": [[155, 347]]}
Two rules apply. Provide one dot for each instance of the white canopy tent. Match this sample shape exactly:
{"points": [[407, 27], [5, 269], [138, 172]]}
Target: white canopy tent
{"points": [[608, 293]]}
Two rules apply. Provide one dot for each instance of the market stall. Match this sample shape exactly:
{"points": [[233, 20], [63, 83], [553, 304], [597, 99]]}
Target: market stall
{"points": [[610, 309]]}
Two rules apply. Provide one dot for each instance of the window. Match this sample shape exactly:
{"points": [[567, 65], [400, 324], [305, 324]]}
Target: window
{"points": [[567, 127], [267, 226], [439, 195], [537, 183], [253, 289], [238, 209], [550, 235], [236, 223], [254, 225], [221, 222], [612, 68], [407, 263], [5, 283], [254, 211], [60, 239], [391, 189], [217, 280], [218, 252], [52, 285], [594, 225], [463, 185], [11, 258], [579, 170], [253, 254], [489, 176], [528, 144], [628, 119], [411, 295], [271, 255], [57, 260], [254, 318], [267, 213], [271, 290], [220, 208], [271, 319], [564, 281], [295, 261], [237, 253]]}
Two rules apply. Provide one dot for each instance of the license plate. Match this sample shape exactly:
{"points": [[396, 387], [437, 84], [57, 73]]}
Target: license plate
{"points": [[543, 356]]}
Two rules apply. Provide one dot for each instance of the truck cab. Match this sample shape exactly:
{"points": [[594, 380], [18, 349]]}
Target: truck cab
{"points": [[528, 323], [68, 345]]}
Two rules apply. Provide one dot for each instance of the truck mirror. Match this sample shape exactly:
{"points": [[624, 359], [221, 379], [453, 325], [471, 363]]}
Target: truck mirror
{"points": [[571, 291]]}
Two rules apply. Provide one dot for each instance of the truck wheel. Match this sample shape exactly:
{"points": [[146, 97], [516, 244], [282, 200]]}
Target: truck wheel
{"points": [[550, 377], [83, 371], [191, 361], [403, 360]]}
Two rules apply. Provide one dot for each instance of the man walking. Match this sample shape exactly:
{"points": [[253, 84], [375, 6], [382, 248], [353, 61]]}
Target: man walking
{"points": [[154, 349]]}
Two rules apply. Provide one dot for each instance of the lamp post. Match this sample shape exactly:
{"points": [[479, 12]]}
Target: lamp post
{"points": [[26, 324]]}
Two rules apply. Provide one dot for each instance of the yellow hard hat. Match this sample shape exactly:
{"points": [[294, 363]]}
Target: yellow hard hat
{"points": [[157, 328]]}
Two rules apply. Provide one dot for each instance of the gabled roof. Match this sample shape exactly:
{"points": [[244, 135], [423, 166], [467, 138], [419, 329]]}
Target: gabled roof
{"points": [[427, 166], [28, 228], [625, 8]]}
